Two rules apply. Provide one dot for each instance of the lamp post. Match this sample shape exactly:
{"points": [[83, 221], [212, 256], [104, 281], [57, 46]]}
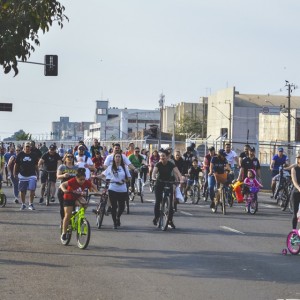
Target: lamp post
{"points": [[161, 102], [229, 131]]}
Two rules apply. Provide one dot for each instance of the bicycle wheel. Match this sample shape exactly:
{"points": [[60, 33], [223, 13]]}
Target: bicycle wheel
{"points": [[253, 205], [48, 193], [291, 207], [69, 235], [195, 195], [164, 213], [100, 215], [293, 243], [151, 186], [222, 198], [229, 196], [2, 199], [141, 192], [284, 199], [206, 194], [83, 233]]}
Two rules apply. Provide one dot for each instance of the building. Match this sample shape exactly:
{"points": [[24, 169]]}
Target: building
{"points": [[113, 123], [66, 130]]}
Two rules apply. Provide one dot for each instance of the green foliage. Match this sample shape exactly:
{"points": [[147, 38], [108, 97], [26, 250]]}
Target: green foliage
{"points": [[20, 22], [19, 136], [189, 125]]}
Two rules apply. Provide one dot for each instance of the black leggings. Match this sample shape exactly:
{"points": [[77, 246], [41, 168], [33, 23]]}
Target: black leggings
{"points": [[296, 201], [60, 196], [159, 187], [117, 201]]}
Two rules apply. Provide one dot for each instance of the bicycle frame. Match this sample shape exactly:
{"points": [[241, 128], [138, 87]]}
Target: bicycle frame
{"points": [[75, 220]]}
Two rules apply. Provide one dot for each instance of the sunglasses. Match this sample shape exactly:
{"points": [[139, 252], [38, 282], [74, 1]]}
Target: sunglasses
{"points": [[118, 156], [137, 151], [69, 156]]}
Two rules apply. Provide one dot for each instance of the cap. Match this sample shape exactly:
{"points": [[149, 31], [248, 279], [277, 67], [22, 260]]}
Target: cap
{"points": [[280, 149], [52, 147], [27, 144], [222, 152], [81, 142], [81, 147], [211, 148], [252, 149]]}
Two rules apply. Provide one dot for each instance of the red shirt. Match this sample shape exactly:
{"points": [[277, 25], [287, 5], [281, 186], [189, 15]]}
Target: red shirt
{"points": [[73, 185], [98, 162]]}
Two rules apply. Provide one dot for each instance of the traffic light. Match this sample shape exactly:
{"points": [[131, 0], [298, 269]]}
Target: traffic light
{"points": [[51, 65]]}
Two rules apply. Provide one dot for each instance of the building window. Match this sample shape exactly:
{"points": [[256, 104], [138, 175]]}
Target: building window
{"points": [[101, 111]]}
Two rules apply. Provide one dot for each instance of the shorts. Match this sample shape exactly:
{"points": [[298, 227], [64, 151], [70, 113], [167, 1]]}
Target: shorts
{"points": [[68, 203], [52, 177], [190, 182], [27, 184], [274, 173]]}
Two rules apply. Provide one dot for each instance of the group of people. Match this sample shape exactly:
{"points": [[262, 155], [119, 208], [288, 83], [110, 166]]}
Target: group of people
{"points": [[25, 165]]}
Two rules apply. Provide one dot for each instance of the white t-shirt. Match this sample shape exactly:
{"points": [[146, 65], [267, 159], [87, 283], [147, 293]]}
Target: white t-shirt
{"points": [[117, 177], [231, 157], [81, 163], [109, 160]]}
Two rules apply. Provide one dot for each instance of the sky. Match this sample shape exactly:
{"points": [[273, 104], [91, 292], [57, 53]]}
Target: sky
{"points": [[131, 51]]}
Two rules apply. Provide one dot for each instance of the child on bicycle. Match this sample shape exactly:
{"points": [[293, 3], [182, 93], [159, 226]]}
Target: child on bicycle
{"points": [[251, 184], [193, 175], [74, 196]]}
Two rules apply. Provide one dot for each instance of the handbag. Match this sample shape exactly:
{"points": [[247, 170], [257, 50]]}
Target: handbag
{"points": [[178, 195]]}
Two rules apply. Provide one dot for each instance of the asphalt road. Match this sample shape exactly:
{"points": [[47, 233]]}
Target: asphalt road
{"points": [[207, 256]]}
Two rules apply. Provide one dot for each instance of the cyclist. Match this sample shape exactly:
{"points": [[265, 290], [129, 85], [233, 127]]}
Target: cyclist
{"points": [[153, 160], [164, 170], [65, 171], [117, 190], [26, 169], [96, 147], [249, 162], [206, 165], [187, 158], [61, 151], [82, 160], [193, 175], [295, 173], [218, 165], [278, 160], [50, 162], [244, 154], [231, 156], [130, 149], [138, 161], [73, 190]]}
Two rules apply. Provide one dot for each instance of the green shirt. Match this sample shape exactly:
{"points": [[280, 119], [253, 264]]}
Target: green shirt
{"points": [[136, 161]]}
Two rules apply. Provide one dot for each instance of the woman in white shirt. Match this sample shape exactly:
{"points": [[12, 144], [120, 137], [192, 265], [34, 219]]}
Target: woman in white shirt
{"points": [[117, 190]]}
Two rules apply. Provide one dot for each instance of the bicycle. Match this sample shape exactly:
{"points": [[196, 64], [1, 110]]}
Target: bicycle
{"points": [[251, 199], [47, 193], [138, 186], [3, 197], [100, 210], [293, 242], [165, 206], [81, 225], [195, 192], [220, 196], [284, 194]]}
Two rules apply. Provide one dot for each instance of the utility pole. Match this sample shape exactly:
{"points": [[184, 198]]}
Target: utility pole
{"points": [[161, 106], [289, 89]]}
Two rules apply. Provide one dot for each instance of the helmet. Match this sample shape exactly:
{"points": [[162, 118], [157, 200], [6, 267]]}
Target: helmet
{"points": [[253, 172], [222, 152]]}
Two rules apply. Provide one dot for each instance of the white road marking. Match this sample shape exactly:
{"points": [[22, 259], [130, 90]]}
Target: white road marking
{"points": [[185, 213], [231, 229], [268, 205]]}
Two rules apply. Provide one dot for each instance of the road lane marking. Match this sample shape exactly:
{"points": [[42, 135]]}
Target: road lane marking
{"points": [[185, 213], [231, 229]]}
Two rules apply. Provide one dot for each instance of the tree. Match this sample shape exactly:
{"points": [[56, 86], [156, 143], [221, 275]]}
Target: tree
{"points": [[189, 125], [19, 136], [20, 22]]}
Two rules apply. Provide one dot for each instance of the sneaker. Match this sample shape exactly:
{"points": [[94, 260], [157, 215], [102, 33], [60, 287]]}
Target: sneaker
{"points": [[118, 223], [95, 211], [185, 198], [171, 224], [272, 196], [23, 206], [115, 226], [31, 207], [155, 222], [16, 200], [63, 237], [212, 205], [41, 200], [52, 199]]}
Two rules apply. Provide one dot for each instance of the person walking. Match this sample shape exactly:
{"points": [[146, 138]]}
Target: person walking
{"points": [[26, 169]]}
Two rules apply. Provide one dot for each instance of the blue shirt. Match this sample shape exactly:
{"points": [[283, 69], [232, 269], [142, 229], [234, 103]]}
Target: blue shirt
{"points": [[279, 161]]}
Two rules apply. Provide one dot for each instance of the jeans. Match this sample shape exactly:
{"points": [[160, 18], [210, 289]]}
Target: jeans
{"points": [[211, 186]]}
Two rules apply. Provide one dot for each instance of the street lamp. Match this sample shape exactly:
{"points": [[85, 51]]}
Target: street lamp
{"points": [[229, 132], [267, 101], [161, 102]]}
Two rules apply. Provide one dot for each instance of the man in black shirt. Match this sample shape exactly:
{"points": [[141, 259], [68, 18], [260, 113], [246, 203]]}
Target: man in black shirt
{"points": [[50, 162], [249, 162], [26, 168], [244, 154]]}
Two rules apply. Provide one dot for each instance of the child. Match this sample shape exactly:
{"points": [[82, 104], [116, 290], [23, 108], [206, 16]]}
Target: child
{"points": [[250, 183], [193, 173]]}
